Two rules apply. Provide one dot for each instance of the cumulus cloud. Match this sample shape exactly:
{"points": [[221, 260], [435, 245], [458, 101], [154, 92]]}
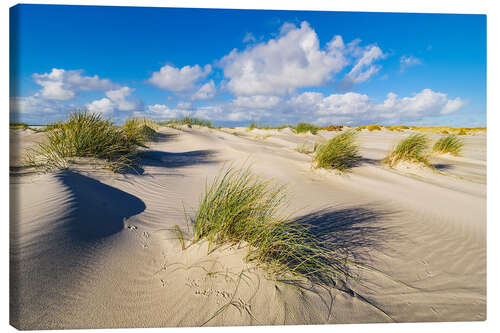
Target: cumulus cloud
{"points": [[63, 85], [103, 105], [364, 67], [281, 65], [179, 79], [115, 100], [162, 111], [257, 101], [360, 107], [408, 61], [35, 104], [206, 91]]}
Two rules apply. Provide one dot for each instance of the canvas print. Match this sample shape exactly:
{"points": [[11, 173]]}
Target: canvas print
{"points": [[212, 167]]}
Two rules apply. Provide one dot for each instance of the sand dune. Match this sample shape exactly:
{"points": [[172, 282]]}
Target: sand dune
{"points": [[92, 249]]}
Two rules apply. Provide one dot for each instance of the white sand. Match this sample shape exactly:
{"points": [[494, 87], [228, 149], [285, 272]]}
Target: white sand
{"points": [[92, 249]]}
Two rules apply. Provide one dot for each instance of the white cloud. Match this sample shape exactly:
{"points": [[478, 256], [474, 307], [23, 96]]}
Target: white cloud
{"points": [[206, 91], [257, 101], [103, 105], [281, 65], [453, 105], [364, 67], [179, 79], [118, 97], [360, 107], [161, 111], [34, 104], [115, 100], [408, 61], [63, 85]]}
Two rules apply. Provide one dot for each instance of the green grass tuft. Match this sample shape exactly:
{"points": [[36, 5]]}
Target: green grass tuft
{"points": [[340, 152], [305, 127], [240, 208], [88, 135], [451, 144], [412, 149]]}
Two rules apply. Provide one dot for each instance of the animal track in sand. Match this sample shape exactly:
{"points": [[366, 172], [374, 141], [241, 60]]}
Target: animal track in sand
{"points": [[131, 227]]}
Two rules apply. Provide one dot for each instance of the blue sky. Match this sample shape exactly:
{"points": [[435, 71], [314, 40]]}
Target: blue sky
{"points": [[238, 66]]}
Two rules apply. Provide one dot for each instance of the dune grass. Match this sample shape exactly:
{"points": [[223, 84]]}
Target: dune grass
{"points": [[186, 121], [239, 208], [340, 152], [88, 135], [450, 144], [306, 127], [19, 125], [411, 149]]}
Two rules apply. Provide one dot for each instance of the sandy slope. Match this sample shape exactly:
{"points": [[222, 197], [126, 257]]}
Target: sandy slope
{"points": [[93, 249]]}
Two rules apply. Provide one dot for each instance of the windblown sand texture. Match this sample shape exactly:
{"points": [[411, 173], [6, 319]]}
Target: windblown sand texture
{"points": [[93, 249]]}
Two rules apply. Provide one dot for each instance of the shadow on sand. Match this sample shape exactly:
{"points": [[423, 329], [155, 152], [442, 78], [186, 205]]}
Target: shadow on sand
{"points": [[157, 158], [99, 210]]}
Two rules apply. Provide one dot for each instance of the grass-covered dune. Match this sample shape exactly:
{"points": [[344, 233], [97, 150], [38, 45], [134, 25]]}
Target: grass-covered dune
{"points": [[239, 207], [86, 134]]}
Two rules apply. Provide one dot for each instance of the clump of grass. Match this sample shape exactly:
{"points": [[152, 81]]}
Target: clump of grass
{"points": [[373, 128], [240, 208], [187, 121], [87, 135], [451, 144], [19, 125], [340, 152], [305, 127], [252, 126], [412, 149], [140, 129], [359, 128], [462, 132]]}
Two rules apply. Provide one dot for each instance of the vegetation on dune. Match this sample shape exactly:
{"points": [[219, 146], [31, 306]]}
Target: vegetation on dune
{"points": [[340, 152], [451, 144], [306, 127], [22, 126], [411, 149], [240, 208], [374, 128], [331, 128], [89, 135], [186, 121]]}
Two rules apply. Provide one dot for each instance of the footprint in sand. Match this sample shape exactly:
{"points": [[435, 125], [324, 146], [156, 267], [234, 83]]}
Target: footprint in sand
{"points": [[131, 227]]}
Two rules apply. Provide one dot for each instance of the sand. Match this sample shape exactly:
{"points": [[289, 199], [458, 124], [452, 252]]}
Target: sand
{"points": [[93, 249]]}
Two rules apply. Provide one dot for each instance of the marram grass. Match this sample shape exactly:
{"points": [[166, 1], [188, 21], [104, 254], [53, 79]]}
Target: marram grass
{"points": [[340, 152], [450, 144], [89, 135], [413, 149], [239, 208]]}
